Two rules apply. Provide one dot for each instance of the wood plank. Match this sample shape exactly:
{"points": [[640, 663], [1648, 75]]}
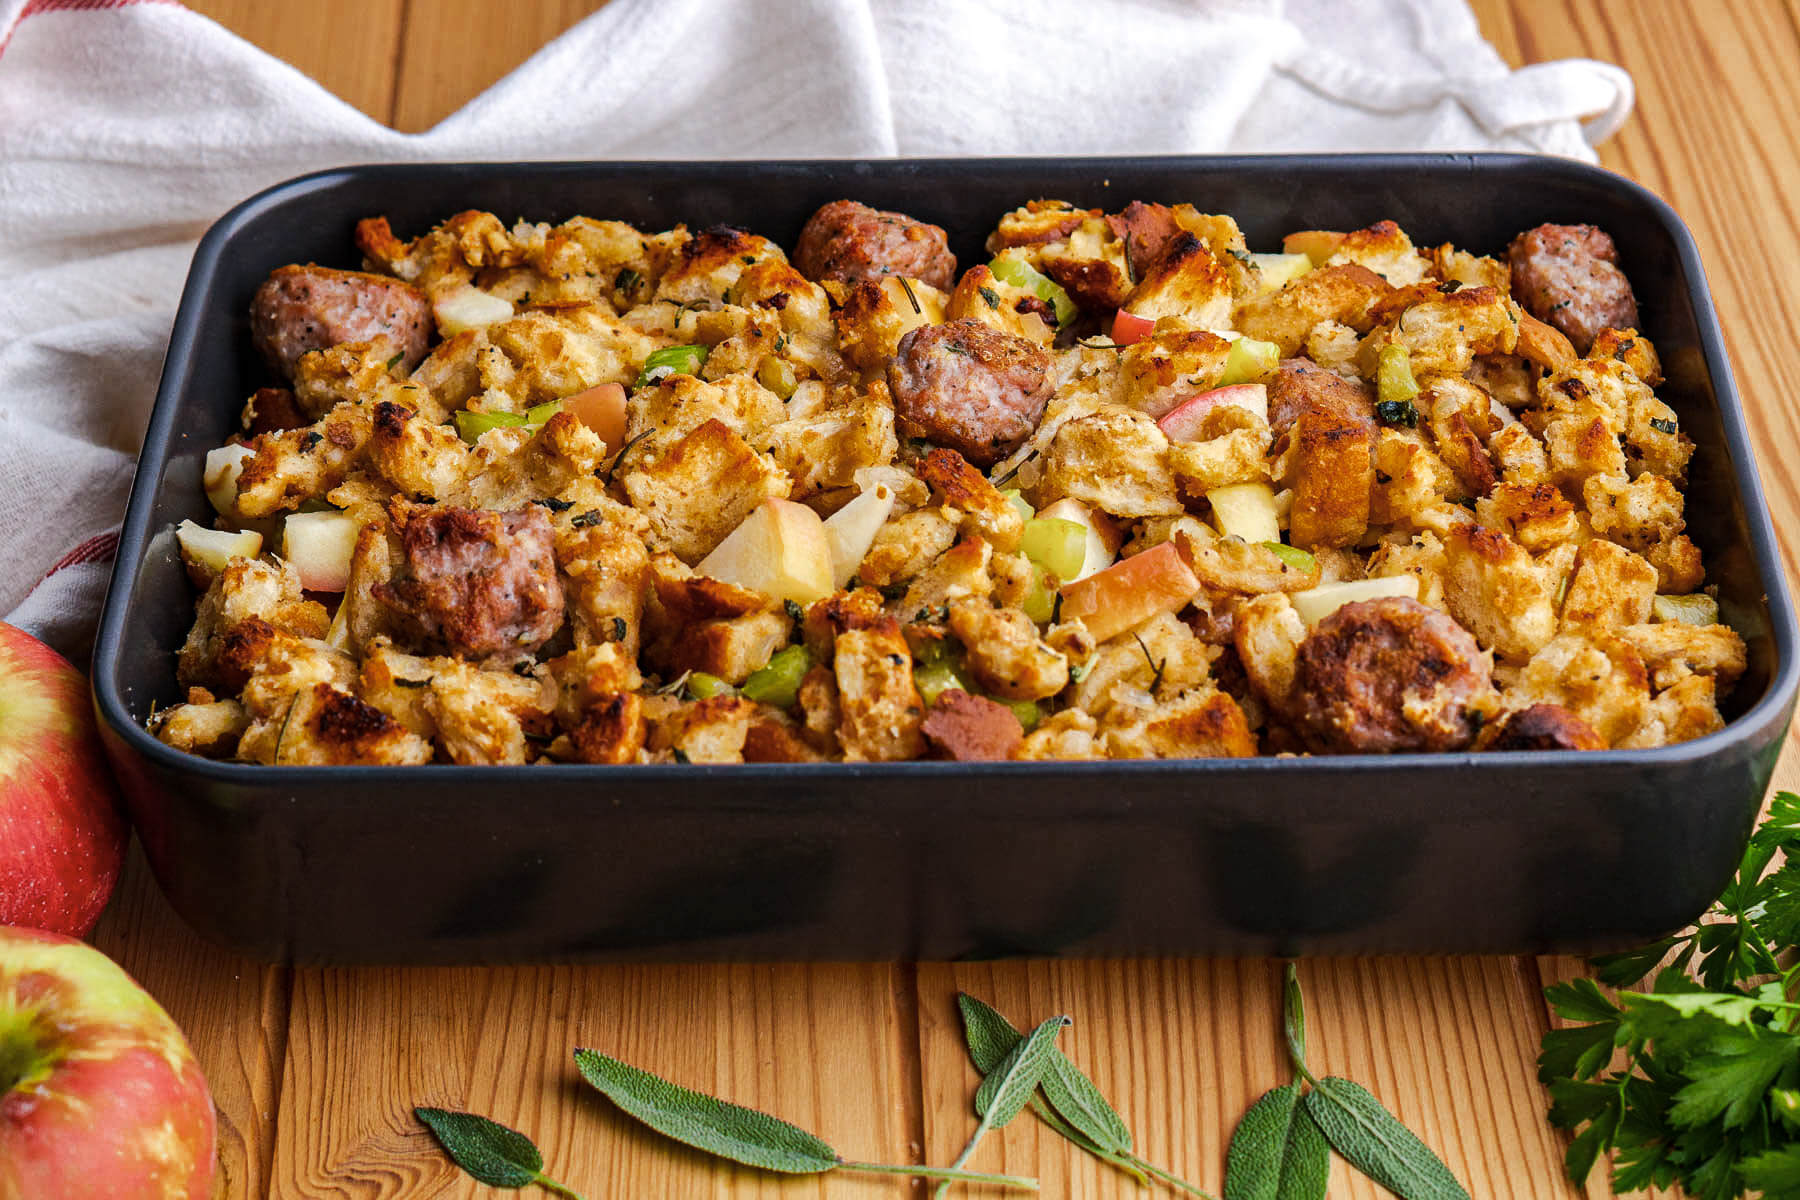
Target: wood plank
{"points": [[350, 47], [1183, 1047], [442, 67], [233, 1011], [827, 1047]]}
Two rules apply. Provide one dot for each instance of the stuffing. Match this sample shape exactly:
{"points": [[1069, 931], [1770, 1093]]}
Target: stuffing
{"points": [[1422, 557], [1342, 295], [1410, 478], [1090, 264], [247, 590], [962, 570], [1186, 281], [1205, 723], [1384, 249], [877, 314], [664, 413], [611, 728], [701, 488], [1672, 651], [207, 727], [827, 449], [1537, 516], [1332, 473], [1597, 676], [1495, 590], [1267, 633], [1229, 564], [957, 485], [712, 730], [981, 296], [1067, 735], [1172, 364], [326, 726], [1334, 347], [881, 709], [1518, 456], [1452, 265], [1232, 448], [704, 267], [1638, 514], [905, 546], [1610, 587], [1445, 333], [1005, 653], [1116, 460], [1632, 348]]}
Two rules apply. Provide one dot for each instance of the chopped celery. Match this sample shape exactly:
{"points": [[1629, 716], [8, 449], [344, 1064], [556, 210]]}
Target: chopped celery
{"points": [[1695, 609], [934, 679], [1250, 361], [1014, 498], [1040, 601], [1293, 556], [671, 360], [778, 682], [1057, 545], [1027, 711], [702, 686], [471, 425], [777, 374], [1023, 274]]}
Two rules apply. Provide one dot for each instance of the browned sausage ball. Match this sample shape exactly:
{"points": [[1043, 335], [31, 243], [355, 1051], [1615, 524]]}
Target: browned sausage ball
{"points": [[1388, 674], [971, 728], [1541, 727], [1301, 386], [299, 309], [853, 242], [1568, 276], [970, 387], [482, 583]]}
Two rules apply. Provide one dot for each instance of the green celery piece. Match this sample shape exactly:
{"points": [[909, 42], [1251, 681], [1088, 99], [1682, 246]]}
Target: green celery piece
{"points": [[1022, 274], [778, 681], [471, 425], [1057, 545], [1293, 556], [777, 374], [936, 678], [1040, 601], [702, 686], [1018, 501], [1394, 382], [1027, 711], [1249, 361], [671, 360]]}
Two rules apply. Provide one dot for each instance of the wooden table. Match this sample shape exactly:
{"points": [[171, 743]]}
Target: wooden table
{"points": [[315, 1071]]}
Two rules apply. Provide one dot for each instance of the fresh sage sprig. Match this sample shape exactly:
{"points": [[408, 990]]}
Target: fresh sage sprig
{"points": [[741, 1134], [489, 1151], [1277, 1151], [1004, 1094], [1071, 1103], [1368, 1136]]}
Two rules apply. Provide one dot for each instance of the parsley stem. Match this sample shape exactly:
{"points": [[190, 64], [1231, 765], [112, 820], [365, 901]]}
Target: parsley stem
{"points": [[947, 1173]]}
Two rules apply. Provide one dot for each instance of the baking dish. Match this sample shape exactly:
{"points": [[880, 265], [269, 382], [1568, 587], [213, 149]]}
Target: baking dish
{"points": [[1520, 852]]}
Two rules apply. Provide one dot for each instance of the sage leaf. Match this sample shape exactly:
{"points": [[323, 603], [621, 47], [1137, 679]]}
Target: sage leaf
{"points": [[728, 1130], [487, 1150], [1373, 1140], [1005, 1092], [1293, 1014], [1277, 1152], [1080, 1107]]}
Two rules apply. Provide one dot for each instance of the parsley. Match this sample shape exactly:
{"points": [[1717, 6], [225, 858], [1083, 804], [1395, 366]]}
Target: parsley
{"points": [[992, 297], [313, 438], [620, 629], [584, 520], [1397, 412], [1693, 1081], [620, 456], [555, 505], [1662, 426], [627, 281], [1450, 286]]}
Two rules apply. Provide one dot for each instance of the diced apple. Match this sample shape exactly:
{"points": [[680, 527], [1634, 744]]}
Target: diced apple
{"points": [[1316, 244], [206, 551], [338, 635], [220, 475], [781, 549], [1128, 329], [1102, 535], [1278, 270], [464, 307], [1315, 604], [851, 530], [601, 409], [1246, 510], [1182, 423], [320, 546], [1129, 593]]}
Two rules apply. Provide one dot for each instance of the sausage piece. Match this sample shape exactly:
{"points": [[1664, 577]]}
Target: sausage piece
{"points": [[1147, 230], [1568, 276], [298, 309], [1301, 386], [1541, 727], [1388, 674], [482, 583], [970, 387], [855, 243], [972, 728]]}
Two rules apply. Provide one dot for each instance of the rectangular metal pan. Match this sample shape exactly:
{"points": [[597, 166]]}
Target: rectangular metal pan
{"points": [[1488, 853]]}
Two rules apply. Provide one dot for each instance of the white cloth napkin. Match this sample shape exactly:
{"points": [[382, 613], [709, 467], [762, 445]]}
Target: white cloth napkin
{"points": [[126, 126]]}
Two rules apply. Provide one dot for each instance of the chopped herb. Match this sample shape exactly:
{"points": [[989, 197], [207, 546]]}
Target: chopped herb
{"points": [[906, 287], [929, 615], [586, 520], [411, 683], [794, 611], [1397, 412], [620, 629], [1006, 478], [680, 755], [310, 440], [991, 297], [1449, 286], [555, 505], [395, 361], [627, 280], [1657, 423], [750, 260], [1156, 667], [1243, 256], [620, 456], [1056, 607], [674, 685]]}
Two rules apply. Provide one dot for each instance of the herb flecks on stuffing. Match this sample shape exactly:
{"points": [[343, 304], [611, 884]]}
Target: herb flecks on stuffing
{"points": [[579, 493]]}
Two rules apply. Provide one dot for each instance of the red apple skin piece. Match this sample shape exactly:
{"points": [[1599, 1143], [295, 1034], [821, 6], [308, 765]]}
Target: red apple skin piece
{"points": [[104, 1098], [62, 832], [1130, 592], [1128, 329], [601, 409], [1316, 244], [1182, 423]]}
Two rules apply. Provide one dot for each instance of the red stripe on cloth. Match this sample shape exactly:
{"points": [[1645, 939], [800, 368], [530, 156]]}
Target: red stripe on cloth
{"points": [[99, 548], [34, 7]]}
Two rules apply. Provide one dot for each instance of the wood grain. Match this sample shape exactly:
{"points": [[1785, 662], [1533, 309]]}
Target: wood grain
{"points": [[829, 1048], [235, 1014], [869, 1056]]}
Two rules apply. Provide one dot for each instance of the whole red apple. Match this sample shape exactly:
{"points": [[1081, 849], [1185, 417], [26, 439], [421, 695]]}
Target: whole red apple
{"points": [[100, 1095], [62, 837]]}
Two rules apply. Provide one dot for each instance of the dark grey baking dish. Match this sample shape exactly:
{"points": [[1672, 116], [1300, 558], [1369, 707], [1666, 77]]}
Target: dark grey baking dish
{"points": [[1495, 853]]}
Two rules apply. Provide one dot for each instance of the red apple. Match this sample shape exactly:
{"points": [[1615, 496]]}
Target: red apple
{"points": [[1129, 593], [62, 838], [100, 1094], [1183, 422]]}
